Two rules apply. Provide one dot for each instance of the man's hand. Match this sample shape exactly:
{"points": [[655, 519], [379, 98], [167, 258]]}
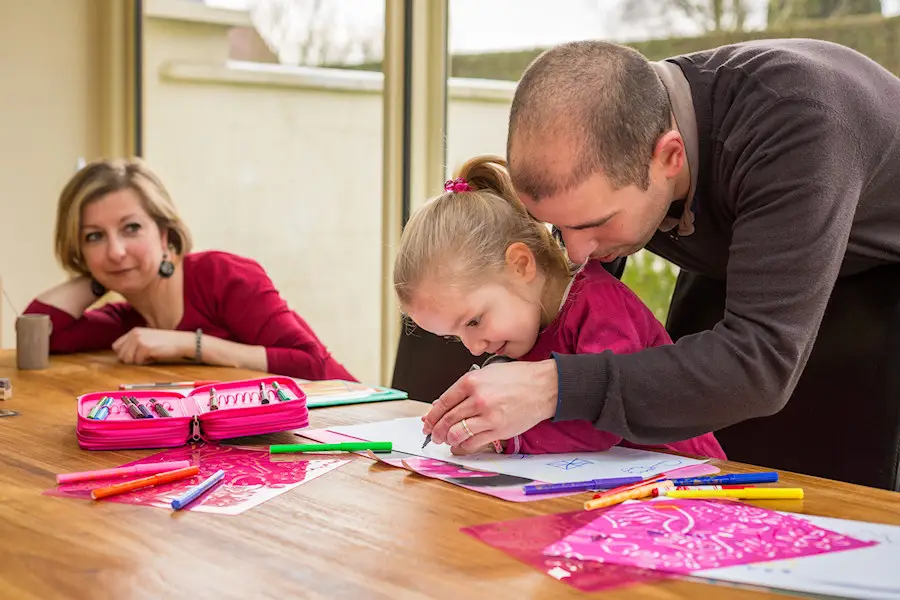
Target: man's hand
{"points": [[143, 345], [493, 403]]}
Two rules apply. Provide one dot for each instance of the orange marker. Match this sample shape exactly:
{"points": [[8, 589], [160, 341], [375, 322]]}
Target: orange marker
{"points": [[637, 493], [630, 486], [128, 486]]}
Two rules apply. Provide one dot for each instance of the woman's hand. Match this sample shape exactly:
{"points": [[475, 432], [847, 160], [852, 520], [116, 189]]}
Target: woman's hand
{"points": [[143, 345], [494, 403]]}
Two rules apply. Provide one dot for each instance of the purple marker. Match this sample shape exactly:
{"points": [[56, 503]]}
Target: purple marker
{"points": [[579, 486]]}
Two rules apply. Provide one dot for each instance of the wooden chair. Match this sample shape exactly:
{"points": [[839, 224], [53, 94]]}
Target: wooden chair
{"points": [[427, 365]]}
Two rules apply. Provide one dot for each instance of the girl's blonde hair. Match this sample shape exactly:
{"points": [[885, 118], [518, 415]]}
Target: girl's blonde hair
{"points": [[103, 177], [462, 236]]}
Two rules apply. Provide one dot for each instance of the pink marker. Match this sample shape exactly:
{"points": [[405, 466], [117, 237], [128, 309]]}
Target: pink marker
{"points": [[143, 469]]}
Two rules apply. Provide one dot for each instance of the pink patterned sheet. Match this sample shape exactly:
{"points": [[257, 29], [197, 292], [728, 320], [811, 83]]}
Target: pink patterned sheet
{"points": [[684, 536], [526, 539]]}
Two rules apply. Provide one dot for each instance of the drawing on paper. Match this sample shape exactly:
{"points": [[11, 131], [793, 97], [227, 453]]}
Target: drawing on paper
{"points": [[568, 465], [784, 567], [656, 467]]}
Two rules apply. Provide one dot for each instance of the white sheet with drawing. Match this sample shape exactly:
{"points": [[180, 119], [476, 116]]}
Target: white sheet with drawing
{"points": [[406, 436]]}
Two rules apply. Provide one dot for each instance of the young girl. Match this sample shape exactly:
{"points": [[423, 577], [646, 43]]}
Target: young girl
{"points": [[474, 265]]}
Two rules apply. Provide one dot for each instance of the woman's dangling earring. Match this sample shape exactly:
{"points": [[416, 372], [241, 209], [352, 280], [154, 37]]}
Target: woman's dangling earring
{"points": [[97, 289], [166, 267]]}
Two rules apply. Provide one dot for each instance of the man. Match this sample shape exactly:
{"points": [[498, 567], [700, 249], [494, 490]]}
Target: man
{"points": [[767, 171]]}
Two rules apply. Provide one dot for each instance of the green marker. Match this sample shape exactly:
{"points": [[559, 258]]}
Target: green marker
{"points": [[342, 447], [282, 397], [105, 401]]}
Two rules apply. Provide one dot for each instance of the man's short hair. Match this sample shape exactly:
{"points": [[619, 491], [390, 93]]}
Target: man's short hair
{"points": [[603, 99]]}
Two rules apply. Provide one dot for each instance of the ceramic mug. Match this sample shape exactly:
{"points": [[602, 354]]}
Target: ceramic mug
{"points": [[33, 342]]}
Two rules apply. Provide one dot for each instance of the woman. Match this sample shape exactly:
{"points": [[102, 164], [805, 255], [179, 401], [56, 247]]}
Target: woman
{"points": [[117, 230]]}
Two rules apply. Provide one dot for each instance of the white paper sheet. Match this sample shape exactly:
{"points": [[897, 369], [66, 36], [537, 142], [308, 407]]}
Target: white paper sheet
{"points": [[406, 436], [869, 573]]}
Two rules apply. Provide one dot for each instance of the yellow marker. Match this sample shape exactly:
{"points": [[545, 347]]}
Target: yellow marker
{"points": [[643, 491], [744, 494]]}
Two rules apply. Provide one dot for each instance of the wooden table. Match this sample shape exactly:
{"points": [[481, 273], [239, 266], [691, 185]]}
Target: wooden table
{"points": [[361, 531]]}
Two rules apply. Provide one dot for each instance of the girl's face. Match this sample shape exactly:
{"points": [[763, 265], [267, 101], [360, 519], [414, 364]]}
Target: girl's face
{"points": [[500, 317], [121, 244]]}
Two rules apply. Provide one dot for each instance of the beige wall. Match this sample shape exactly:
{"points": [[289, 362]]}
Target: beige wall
{"points": [[49, 74], [295, 153], [477, 116]]}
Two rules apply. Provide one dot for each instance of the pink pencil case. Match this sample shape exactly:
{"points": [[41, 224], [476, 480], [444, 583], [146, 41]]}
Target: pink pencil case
{"points": [[240, 413]]}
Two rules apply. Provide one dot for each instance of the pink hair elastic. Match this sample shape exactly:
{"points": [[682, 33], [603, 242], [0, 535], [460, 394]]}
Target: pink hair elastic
{"points": [[457, 185]]}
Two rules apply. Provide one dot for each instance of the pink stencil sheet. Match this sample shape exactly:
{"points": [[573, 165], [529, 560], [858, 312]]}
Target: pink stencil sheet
{"points": [[251, 478], [684, 536], [526, 539]]}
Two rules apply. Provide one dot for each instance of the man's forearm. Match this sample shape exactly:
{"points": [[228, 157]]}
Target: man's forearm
{"points": [[668, 393]]}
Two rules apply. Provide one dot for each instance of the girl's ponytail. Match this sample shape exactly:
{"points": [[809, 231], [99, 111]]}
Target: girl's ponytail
{"points": [[490, 173], [468, 228]]}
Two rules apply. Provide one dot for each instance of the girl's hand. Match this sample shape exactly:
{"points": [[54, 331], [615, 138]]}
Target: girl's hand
{"points": [[498, 447]]}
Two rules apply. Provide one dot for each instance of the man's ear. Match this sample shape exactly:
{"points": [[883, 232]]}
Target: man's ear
{"points": [[669, 153], [520, 262]]}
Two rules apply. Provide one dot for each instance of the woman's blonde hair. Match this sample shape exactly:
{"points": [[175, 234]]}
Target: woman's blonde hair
{"points": [[103, 177], [462, 236]]}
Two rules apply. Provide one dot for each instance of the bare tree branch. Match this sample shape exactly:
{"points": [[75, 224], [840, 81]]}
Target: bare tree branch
{"points": [[706, 15], [307, 32]]}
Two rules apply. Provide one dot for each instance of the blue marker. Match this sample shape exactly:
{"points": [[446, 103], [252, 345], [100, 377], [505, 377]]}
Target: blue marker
{"points": [[193, 493], [737, 479], [105, 401], [578, 486]]}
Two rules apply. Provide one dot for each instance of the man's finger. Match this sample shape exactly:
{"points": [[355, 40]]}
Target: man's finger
{"points": [[441, 429], [455, 394], [466, 429]]}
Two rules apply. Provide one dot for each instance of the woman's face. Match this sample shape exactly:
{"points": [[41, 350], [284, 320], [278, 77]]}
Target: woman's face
{"points": [[121, 244]]}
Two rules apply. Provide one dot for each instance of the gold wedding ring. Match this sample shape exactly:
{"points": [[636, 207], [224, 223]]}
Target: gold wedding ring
{"points": [[466, 427]]}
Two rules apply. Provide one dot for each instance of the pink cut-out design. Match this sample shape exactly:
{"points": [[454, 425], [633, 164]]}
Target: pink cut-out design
{"points": [[684, 536], [505, 487], [526, 539], [251, 478]]}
